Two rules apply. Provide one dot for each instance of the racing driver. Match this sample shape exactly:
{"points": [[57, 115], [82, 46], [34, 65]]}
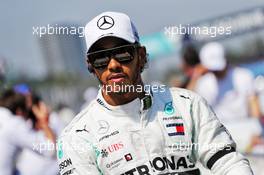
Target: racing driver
{"points": [[132, 130]]}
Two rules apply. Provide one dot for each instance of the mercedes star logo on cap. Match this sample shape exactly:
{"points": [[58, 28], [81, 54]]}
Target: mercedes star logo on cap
{"points": [[105, 22]]}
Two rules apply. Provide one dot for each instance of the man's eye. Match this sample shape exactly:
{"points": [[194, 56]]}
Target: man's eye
{"points": [[123, 56], [101, 61]]}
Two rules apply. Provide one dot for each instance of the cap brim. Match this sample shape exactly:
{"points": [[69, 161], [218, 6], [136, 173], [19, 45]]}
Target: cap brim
{"points": [[111, 36]]}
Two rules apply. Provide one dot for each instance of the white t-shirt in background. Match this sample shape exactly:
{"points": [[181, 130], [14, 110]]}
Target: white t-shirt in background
{"points": [[229, 96], [30, 163], [16, 134]]}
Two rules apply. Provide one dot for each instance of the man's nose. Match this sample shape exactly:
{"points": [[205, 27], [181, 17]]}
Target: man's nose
{"points": [[114, 66]]}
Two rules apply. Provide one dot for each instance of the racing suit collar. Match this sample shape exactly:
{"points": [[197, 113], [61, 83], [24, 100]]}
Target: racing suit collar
{"points": [[137, 105]]}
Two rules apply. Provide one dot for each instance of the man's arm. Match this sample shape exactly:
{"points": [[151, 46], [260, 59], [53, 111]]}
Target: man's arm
{"points": [[42, 114], [217, 150], [43, 141], [198, 71], [254, 106], [25, 137], [77, 156]]}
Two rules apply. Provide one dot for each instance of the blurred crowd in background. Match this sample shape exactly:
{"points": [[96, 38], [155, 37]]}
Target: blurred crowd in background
{"points": [[33, 112], [235, 94]]}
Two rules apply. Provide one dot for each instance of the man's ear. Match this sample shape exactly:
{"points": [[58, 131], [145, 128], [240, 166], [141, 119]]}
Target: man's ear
{"points": [[142, 58], [89, 66]]}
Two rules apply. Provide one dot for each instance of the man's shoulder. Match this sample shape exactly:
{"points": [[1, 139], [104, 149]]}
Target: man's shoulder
{"points": [[177, 93], [183, 99], [183, 93], [80, 120]]}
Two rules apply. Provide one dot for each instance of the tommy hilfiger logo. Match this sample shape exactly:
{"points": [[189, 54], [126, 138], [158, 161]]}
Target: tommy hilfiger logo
{"points": [[175, 129]]}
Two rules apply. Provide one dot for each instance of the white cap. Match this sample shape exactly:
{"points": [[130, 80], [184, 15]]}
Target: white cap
{"points": [[110, 24], [212, 56]]}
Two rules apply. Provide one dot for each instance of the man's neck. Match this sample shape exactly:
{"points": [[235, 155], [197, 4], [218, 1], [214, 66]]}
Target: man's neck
{"points": [[116, 99]]}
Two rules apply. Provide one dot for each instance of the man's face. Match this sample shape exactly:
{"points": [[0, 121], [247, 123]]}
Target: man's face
{"points": [[117, 74]]}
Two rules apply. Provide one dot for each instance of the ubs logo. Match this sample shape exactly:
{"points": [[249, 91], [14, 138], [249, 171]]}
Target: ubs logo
{"points": [[115, 147], [112, 148]]}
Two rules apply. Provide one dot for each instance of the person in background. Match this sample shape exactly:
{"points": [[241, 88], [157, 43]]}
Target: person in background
{"points": [[25, 90], [15, 133], [30, 163], [230, 90], [89, 95], [64, 113], [231, 93], [191, 67]]}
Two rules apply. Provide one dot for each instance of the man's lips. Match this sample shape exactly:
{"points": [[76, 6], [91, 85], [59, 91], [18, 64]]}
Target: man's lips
{"points": [[117, 77]]}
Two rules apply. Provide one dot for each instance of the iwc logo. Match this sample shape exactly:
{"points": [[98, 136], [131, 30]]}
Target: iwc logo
{"points": [[105, 22]]}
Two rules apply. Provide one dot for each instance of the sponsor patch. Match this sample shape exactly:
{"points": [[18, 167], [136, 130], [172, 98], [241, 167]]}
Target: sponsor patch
{"points": [[64, 164], [111, 148], [160, 164], [168, 108], [108, 135], [114, 164], [128, 157], [175, 129]]}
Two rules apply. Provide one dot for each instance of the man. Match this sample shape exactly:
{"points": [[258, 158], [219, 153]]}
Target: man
{"points": [[15, 133], [126, 132], [191, 67], [230, 91], [29, 162], [223, 84]]}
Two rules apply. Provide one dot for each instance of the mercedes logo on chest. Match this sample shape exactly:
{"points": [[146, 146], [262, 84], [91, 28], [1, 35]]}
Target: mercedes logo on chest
{"points": [[105, 22], [103, 127]]}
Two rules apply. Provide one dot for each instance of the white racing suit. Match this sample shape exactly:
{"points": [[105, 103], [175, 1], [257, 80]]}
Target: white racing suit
{"points": [[165, 133]]}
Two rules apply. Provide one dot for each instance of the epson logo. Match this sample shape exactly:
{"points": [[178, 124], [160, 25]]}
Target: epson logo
{"points": [[69, 172], [65, 163]]}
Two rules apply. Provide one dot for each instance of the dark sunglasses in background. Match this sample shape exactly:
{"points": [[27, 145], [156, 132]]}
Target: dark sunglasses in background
{"points": [[123, 54]]}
